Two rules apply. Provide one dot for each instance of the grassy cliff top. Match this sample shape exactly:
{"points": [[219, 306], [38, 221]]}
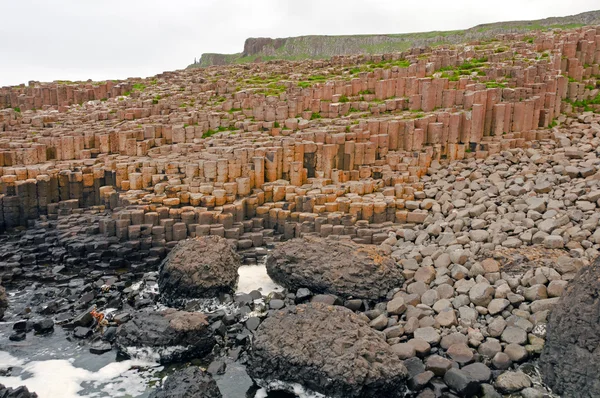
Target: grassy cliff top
{"points": [[321, 47]]}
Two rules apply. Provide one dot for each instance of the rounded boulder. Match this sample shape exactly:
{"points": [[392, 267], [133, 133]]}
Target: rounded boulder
{"points": [[342, 268], [198, 268], [327, 349]]}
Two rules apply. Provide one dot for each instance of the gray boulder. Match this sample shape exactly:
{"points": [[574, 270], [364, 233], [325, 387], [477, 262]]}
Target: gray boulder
{"points": [[570, 360], [198, 268], [170, 335], [342, 268], [328, 349]]}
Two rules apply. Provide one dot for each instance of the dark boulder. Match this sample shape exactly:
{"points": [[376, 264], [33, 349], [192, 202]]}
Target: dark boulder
{"points": [[570, 360], [170, 335], [342, 268], [3, 302], [198, 268], [44, 326], [328, 349], [190, 382], [19, 392]]}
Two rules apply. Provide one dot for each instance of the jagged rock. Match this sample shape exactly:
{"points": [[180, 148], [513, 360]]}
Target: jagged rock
{"points": [[343, 268], [170, 335], [19, 392], [190, 382], [197, 268], [570, 360], [327, 349]]}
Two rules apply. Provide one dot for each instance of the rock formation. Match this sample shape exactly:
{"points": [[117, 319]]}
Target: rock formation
{"points": [[342, 268], [315, 46], [170, 335], [190, 382], [3, 302], [570, 361], [19, 392], [328, 349], [198, 268], [474, 168]]}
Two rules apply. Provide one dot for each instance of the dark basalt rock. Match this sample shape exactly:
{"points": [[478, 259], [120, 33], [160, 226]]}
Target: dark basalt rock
{"points": [[198, 268], [19, 392], [327, 349], [3, 302], [342, 268], [570, 361], [190, 382], [173, 335]]}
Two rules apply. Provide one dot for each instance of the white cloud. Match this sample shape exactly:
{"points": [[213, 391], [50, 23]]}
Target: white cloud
{"points": [[76, 40]]}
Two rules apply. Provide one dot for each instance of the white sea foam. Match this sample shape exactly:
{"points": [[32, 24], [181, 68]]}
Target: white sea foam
{"points": [[295, 388], [255, 277], [59, 378], [154, 354]]}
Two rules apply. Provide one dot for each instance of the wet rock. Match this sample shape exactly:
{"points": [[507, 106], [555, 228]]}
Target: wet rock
{"points": [[573, 337], [44, 326], [171, 335], [17, 336], [343, 268], [3, 302], [216, 368], [83, 319], [327, 349], [99, 347], [190, 382], [197, 268], [82, 333], [19, 392]]}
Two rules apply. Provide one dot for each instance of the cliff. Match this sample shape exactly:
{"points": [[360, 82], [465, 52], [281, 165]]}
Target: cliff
{"points": [[316, 47]]}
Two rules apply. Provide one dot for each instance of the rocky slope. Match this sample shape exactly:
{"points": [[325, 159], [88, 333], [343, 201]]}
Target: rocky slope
{"points": [[316, 47]]}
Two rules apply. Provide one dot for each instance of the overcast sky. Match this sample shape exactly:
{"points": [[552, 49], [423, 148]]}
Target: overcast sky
{"points": [[49, 40]]}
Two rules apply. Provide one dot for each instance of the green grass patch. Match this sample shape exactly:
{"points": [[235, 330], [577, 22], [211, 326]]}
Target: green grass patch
{"points": [[586, 104], [495, 85]]}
